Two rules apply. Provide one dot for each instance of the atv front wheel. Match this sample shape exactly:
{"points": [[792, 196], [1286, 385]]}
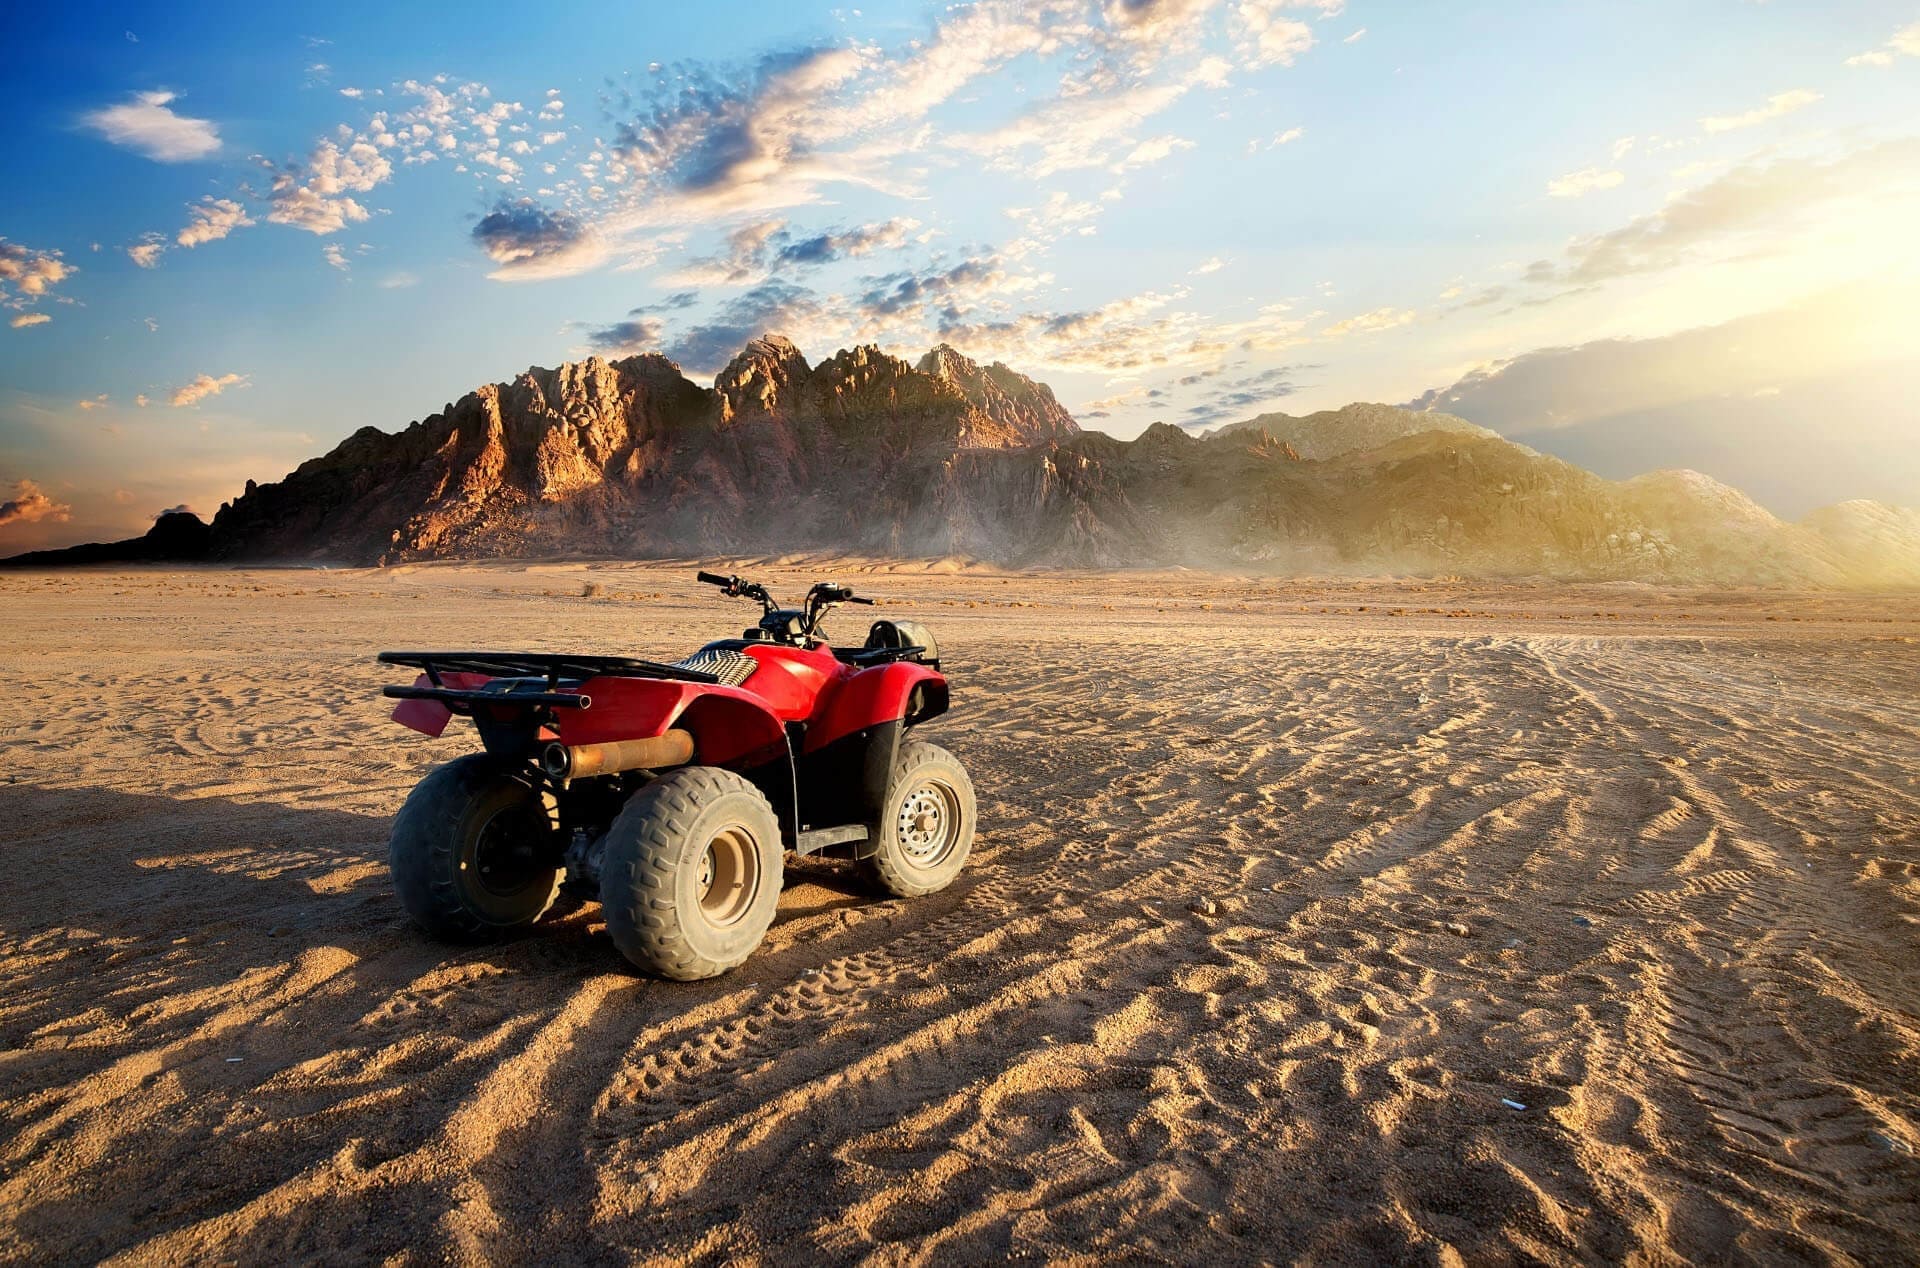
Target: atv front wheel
{"points": [[473, 852], [926, 822], [692, 873]]}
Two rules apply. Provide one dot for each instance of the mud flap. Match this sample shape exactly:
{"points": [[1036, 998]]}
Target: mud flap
{"points": [[845, 782]]}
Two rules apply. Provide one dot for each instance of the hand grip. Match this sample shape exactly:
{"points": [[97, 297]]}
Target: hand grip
{"points": [[714, 578], [854, 598]]}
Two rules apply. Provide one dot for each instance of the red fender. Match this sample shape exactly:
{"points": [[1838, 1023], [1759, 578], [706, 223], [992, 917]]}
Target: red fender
{"points": [[728, 724], [885, 693]]}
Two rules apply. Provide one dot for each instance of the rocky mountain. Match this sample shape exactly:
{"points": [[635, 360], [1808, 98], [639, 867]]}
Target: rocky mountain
{"points": [[865, 453]]}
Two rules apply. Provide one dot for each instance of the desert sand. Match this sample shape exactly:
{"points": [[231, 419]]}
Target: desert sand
{"points": [[1644, 863]]}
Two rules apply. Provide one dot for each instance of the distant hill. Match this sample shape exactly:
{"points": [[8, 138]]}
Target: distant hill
{"points": [[1332, 432], [176, 537], [866, 453]]}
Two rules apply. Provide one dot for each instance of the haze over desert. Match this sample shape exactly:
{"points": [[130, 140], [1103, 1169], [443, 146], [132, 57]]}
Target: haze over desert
{"points": [[1350, 920]]}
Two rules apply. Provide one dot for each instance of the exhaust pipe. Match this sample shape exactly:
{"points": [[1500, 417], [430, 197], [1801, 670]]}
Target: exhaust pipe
{"points": [[582, 761]]}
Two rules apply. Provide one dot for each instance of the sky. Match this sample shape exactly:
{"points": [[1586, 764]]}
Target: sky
{"points": [[1636, 235]]}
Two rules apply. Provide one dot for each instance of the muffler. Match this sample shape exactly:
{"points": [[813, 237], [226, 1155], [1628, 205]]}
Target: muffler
{"points": [[582, 761]]}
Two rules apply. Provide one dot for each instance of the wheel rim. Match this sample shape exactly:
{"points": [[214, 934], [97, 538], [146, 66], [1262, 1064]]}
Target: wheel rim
{"points": [[504, 859], [729, 877], [928, 823]]}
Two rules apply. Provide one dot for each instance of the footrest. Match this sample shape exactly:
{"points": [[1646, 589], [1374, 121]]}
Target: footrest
{"points": [[820, 838]]}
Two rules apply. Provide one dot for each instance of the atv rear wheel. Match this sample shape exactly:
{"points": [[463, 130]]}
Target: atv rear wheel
{"points": [[473, 852], [692, 873], [926, 822]]}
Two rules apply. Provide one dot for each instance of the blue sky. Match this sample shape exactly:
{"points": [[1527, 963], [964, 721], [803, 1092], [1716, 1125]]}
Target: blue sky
{"points": [[233, 234]]}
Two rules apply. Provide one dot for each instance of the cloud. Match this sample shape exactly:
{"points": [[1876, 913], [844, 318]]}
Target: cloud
{"points": [[1744, 201], [847, 244], [212, 220], [97, 402], [315, 198], [712, 137], [1213, 265], [1082, 130], [1583, 182], [1781, 103], [336, 257], [1369, 323], [1266, 37], [759, 246], [29, 273], [146, 124], [398, 281], [1233, 399], [203, 386], [29, 505], [29, 319], [769, 307], [745, 258], [636, 334], [1904, 42], [1800, 406], [895, 293], [1356, 37], [146, 254], [531, 241], [710, 146]]}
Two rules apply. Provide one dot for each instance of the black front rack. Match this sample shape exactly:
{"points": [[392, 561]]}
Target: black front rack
{"points": [[559, 669]]}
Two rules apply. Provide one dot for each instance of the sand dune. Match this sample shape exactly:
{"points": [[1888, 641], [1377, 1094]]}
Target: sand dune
{"points": [[1646, 864]]}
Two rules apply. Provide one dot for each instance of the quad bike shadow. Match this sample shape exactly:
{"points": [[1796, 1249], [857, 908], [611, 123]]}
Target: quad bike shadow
{"points": [[672, 792]]}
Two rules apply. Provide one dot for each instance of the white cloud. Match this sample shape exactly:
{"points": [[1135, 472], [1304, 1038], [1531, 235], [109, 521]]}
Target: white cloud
{"points": [[205, 385], [1356, 37], [1904, 42], [315, 198], [1368, 323], [146, 124], [30, 272], [1583, 182], [213, 219], [1266, 37], [1781, 103], [97, 402], [335, 256], [1750, 209], [1083, 130], [143, 400], [146, 254], [398, 281], [1213, 265], [29, 319]]}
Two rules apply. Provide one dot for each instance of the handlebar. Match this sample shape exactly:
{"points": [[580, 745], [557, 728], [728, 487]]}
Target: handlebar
{"points": [[819, 599]]}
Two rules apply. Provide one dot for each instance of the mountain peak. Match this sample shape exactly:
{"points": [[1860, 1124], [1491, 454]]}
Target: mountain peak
{"points": [[766, 372]]}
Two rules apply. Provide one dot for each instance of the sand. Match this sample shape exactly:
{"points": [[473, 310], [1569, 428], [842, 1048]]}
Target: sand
{"points": [[1645, 864]]}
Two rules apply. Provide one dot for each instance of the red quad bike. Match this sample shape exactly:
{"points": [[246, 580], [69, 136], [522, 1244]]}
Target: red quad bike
{"points": [[672, 791]]}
